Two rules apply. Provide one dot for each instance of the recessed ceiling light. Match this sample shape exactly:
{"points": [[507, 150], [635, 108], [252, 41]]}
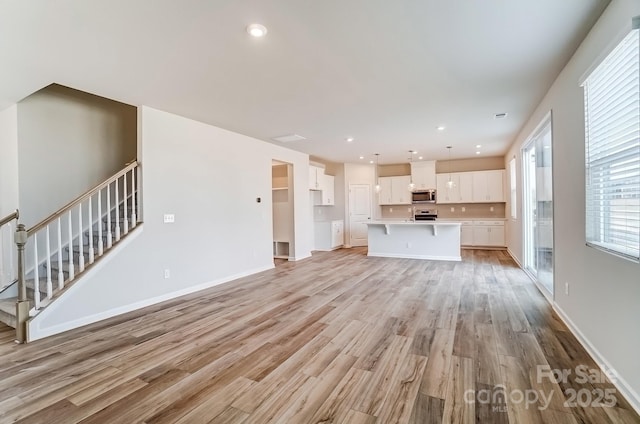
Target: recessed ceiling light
{"points": [[441, 128], [361, 157], [257, 30], [501, 115], [349, 139], [420, 158], [477, 153], [370, 161], [478, 146]]}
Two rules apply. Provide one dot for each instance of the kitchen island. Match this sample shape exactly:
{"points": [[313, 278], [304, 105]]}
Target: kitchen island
{"points": [[415, 239]]}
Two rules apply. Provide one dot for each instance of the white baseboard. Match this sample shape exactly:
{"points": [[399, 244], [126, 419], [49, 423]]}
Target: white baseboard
{"points": [[35, 331], [620, 383], [299, 258], [429, 257], [515, 259]]}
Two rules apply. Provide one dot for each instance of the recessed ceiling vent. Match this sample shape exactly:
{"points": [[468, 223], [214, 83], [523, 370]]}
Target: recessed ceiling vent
{"points": [[500, 115], [289, 138]]}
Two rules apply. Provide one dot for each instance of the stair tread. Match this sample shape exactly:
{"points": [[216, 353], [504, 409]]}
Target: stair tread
{"points": [[8, 305]]}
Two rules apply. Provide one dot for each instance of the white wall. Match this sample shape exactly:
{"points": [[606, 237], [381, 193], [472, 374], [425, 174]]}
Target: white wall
{"points": [[210, 179], [8, 193], [69, 141], [8, 160], [604, 298]]}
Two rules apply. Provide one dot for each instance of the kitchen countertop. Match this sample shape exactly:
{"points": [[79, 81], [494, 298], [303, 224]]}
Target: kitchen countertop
{"points": [[408, 222]]}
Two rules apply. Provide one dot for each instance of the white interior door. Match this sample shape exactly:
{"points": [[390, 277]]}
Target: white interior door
{"points": [[359, 213]]}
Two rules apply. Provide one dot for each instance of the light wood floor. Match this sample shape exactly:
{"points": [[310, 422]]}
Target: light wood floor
{"points": [[339, 338]]}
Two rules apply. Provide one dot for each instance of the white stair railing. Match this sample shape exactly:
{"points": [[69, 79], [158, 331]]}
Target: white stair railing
{"points": [[59, 243]]}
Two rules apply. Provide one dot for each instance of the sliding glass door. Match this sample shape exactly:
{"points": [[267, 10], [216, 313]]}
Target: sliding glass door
{"points": [[538, 206]]}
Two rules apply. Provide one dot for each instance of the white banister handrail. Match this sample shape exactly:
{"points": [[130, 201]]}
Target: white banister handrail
{"points": [[82, 198]]}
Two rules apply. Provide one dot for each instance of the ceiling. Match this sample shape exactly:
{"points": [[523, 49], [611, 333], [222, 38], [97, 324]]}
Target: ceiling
{"points": [[384, 72]]}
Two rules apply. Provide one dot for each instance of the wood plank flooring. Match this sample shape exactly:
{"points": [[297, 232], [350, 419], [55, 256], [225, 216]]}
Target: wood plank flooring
{"points": [[338, 338]]}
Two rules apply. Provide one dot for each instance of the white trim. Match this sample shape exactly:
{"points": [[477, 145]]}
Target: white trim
{"points": [[514, 257], [604, 53], [402, 256], [620, 383], [299, 258], [35, 330]]}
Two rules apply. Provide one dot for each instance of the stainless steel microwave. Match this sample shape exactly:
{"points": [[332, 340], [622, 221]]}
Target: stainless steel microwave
{"points": [[423, 196]]}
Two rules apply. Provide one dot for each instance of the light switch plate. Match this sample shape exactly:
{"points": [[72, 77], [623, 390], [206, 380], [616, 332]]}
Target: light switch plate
{"points": [[169, 218]]}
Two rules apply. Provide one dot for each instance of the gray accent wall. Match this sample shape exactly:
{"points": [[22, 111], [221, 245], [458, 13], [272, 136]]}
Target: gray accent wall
{"points": [[68, 142]]}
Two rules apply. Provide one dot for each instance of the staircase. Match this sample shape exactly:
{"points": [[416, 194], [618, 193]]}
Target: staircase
{"points": [[59, 250]]}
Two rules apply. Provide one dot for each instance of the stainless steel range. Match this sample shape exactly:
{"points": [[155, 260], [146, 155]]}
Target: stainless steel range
{"points": [[426, 214]]}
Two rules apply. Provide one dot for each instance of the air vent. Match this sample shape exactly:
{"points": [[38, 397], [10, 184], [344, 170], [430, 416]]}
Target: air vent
{"points": [[500, 115], [289, 138]]}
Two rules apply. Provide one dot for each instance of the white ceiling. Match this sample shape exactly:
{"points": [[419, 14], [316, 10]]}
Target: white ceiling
{"points": [[384, 72]]}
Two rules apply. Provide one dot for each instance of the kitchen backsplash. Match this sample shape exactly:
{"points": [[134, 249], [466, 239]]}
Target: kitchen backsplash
{"points": [[471, 210]]}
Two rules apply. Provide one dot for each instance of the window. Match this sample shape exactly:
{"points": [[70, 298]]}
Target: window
{"points": [[612, 130], [512, 183]]}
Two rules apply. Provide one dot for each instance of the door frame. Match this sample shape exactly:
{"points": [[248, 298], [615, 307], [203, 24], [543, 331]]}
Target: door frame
{"points": [[348, 207]]}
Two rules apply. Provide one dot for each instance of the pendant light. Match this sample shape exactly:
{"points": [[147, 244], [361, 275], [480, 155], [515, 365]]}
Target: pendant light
{"points": [[412, 186], [377, 186], [450, 183]]}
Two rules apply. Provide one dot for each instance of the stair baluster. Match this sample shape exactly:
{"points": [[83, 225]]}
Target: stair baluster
{"points": [[134, 218], [100, 245], [80, 241], [109, 235], [60, 274], [71, 268], [92, 252], [36, 273], [49, 282], [117, 211], [126, 218]]}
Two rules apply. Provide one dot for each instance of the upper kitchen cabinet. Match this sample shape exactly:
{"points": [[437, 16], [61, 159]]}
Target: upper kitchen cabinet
{"points": [[326, 184], [461, 190], [424, 174], [315, 173], [471, 187], [488, 186], [394, 190]]}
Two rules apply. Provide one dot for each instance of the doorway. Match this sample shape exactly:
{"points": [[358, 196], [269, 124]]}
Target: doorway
{"points": [[538, 207], [359, 213], [282, 213]]}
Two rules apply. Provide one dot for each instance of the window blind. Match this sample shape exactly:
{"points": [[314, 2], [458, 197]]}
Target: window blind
{"points": [[612, 130]]}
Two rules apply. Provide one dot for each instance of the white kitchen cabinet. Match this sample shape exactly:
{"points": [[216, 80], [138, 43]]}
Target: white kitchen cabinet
{"points": [[465, 187], [394, 190], [315, 174], [384, 196], [326, 185], [466, 233], [462, 190], [488, 186], [488, 233], [329, 235], [400, 194], [444, 193], [423, 175]]}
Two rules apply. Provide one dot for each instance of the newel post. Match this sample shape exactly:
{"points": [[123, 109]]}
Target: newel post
{"points": [[22, 305]]}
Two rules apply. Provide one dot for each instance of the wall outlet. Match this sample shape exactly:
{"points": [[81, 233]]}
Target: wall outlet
{"points": [[566, 288], [453, 209], [463, 209], [167, 273], [169, 218], [390, 210]]}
